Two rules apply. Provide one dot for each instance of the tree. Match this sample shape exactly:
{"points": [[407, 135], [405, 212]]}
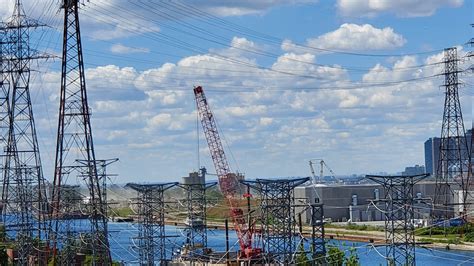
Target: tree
{"points": [[353, 259], [335, 256], [3, 246], [302, 259]]}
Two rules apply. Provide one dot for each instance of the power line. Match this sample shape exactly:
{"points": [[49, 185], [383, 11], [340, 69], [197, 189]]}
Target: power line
{"points": [[119, 20], [189, 8]]}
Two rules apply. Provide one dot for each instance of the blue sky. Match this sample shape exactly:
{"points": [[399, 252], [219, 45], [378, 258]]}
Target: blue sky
{"points": [[278, 101]]}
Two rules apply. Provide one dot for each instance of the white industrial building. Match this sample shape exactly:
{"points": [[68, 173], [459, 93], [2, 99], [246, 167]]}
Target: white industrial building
{"points": [[344, 203]]}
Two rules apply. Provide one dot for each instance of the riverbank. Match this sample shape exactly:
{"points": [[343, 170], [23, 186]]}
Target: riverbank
{"points": [[374, 237]]}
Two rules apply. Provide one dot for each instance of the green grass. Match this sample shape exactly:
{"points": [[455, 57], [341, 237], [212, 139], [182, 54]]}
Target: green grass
{"points": [[449, 240], [443, 236], [356, 227], [121, 212], [348, 233], [455, 230]]}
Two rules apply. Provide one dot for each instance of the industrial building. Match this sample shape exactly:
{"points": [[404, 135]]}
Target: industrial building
{"points": [[344, 203]]}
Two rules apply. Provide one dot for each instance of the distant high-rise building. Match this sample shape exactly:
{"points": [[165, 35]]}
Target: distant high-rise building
{"points": [[414, 170], [470, 144], [432, 152], [469, 138], [431, 155]]}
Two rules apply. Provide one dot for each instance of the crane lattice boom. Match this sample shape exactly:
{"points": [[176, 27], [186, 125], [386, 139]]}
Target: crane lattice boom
{"points": [[228, 181], [323, 164]]}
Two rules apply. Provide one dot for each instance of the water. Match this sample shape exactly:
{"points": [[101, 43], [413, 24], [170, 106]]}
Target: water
{"points": [[121, 247]]}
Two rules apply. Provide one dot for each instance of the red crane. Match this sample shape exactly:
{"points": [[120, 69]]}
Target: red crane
{"points": [[228, 181]]}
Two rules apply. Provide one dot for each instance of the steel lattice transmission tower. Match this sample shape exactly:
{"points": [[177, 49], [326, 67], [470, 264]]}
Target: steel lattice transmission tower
{"points": [[453, 165], [318, 244], [4, 95], [399, 216], [277, 218], [471, 69], [102, 175], [151, 222], [71, 206], [75, 148], [195, 229], [24, 192]]}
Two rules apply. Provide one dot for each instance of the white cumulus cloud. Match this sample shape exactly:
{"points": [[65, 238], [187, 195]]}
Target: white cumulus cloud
{"points": [[352, 37], [402, 8], [244, 7], [148, 117], [122, 49]]}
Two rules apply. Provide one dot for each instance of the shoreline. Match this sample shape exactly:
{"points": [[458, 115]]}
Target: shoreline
{"points": [[377, 238]]}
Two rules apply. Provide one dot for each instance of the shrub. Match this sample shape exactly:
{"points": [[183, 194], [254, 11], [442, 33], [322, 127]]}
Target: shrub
{"points": [[469, 237]]}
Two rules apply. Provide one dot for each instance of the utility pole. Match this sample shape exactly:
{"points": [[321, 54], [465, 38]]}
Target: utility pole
{"points": [[75, 142], [227, 246], [399, 216], [24, 193], [151, 222], [453, 165]]}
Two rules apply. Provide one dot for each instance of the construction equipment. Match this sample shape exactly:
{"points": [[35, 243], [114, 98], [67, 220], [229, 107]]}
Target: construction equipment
{"points": [[228, 181], [322, 164]]}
